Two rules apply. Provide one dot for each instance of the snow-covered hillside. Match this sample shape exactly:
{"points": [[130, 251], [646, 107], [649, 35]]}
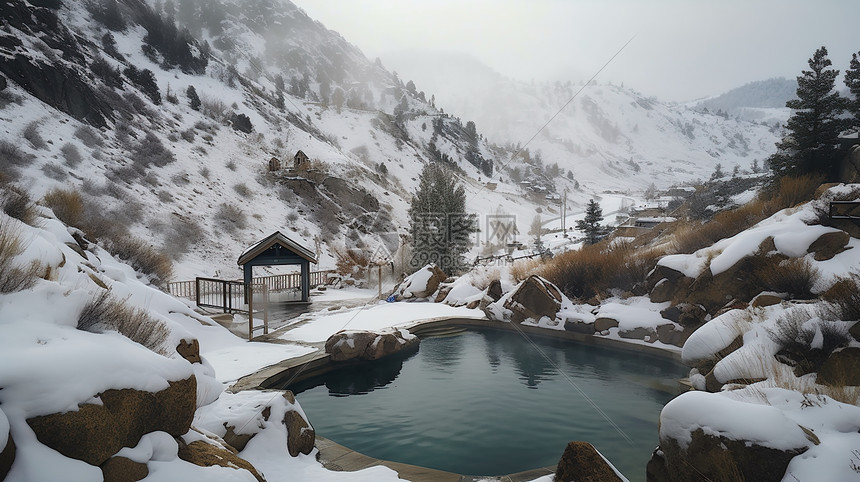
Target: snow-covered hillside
{"points": [[169, 114]]}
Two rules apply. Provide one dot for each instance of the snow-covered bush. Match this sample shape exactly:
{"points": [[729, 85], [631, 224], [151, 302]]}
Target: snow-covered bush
{"points": [[13, 277], [106, 313]]}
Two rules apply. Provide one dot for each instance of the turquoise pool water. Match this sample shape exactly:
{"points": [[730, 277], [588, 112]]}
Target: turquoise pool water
{"points": [[492, 403]]}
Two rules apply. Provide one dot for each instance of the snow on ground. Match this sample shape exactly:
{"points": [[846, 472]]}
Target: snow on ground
{"points": [[374, 317]]}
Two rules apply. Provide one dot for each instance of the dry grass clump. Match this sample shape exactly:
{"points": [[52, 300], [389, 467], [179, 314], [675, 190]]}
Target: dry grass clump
{"points": [[13, 277], [523, 268], [106, 313], [31, 133], [789, 192], [143, 257], [351, 262], [71, 208], [16, 203], [795, 276], [596, 269], [68, 205]]}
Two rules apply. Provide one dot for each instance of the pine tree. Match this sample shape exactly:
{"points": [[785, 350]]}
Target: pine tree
{"points": [[852, 81], [811, 144], [438, 224], [193, 99], [591, 224]]}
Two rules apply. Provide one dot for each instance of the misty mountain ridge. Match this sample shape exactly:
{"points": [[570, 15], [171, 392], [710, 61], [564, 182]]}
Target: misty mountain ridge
{"points": [[98, 101], [762, 100]]}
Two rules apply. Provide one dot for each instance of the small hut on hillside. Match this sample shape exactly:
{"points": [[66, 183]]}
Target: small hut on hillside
{"points": [[301, 161]]}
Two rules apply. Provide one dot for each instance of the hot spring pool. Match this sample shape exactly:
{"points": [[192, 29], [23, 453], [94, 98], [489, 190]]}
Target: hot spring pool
{"points": [[489, 403]]}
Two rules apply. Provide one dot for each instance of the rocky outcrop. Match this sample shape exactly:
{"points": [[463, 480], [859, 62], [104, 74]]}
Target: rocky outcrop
{"points": [[368, 345], [121, 469], [665, 284], [59, 87], [685, 314], [708, 457], [763, 300], [854, 331], [535, 298], [842, 367], [207, 454], [93, 433], [582, 462]]}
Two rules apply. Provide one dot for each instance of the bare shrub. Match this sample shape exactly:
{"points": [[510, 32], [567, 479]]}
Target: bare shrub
{"points": [[188, 135], [31, 133], [54, 171], [71, 154], [12, 158], [843, 299], [214, 109], [204, 171], [151, 151], [89, 136], [230, 218], [795, 276], [106, 313], [143, 257], [12, 276], [68, 205], [7, 97], [795, 331], [16, 203], [182, 234], [165, 196], [126, 174], [231, 165], [242, 190], [180, 179]]}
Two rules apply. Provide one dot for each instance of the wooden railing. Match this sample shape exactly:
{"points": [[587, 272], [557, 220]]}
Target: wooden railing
{"points": [[281, 282], [222, 294]]}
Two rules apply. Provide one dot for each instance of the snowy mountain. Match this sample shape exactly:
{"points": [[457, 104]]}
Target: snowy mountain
{"points": [[162, 118], [608, 136], [762, 101]]}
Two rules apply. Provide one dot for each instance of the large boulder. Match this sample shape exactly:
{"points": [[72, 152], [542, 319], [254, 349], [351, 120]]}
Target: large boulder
{"points": [[672, 334], [189, 350], [604, 323], [121, 469], [368, 345], [7, 446], [829, 245], [581, 462], [207, 454], [709, 457], [854, 331], [576, 325], [95, 432], [534, 298], [842, 367], [420, 284], [494, 290], [300, 434]]}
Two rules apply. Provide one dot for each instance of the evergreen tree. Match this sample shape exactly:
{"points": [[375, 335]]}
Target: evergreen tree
{"points": [[591, 224], [810, 146], [193, 99], [438, 224], [852, 81]]}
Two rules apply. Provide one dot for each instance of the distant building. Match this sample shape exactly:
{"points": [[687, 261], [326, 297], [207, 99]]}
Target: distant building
{"points": [[301, 161], [274, 164]]}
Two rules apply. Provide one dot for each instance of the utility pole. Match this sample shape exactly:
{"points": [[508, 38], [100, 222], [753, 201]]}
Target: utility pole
{"points": [[564, 213]]}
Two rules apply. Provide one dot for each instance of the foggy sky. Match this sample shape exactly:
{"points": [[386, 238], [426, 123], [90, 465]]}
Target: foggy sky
{"points": [[682, 50]]}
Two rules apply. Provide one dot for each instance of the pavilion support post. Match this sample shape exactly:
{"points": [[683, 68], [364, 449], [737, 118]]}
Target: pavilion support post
{"points": [[249, 292], [265, 309], [306, 281]]}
